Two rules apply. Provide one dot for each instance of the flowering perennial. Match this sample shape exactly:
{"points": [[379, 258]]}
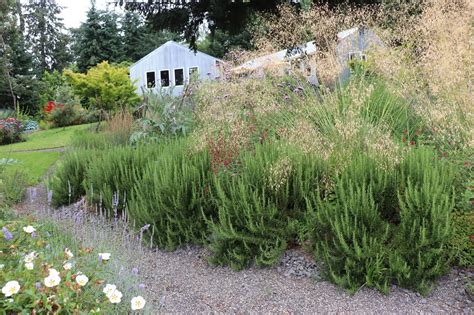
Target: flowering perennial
{"points": [[36, 286]]}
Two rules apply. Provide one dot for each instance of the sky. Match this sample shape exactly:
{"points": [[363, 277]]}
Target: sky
{"points": [[75, 11]]}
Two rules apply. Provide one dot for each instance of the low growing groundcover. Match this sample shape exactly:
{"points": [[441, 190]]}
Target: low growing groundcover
{"points": [[45, 270]]}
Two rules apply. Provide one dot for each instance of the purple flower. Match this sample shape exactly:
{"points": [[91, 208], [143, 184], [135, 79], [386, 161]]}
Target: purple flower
{"points": [[141, 286], [100, 258], [135, 271], [37, 285], [33, 235], [286, 97], [8, 236]]}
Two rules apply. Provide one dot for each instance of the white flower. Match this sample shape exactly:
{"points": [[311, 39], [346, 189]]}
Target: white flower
{"points": [[68, 253], [12, 287], [29, 265], [109, 289], [29, 229], [52, 281], [67, 266], [138, 303], [53, 272], [82, 280], [115, 297], [104, 256], [30, 257], [1, 266]]}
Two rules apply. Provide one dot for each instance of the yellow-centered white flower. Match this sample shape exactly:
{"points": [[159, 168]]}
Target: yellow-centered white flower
{"points": [[115, 297], [30, 257], [67, 266], [138, 303], [109, 289], [82, 280], [52, 281], [53, 272], [68, 253], [10, 288], [29, 229], [29, 265], [104, 256]]}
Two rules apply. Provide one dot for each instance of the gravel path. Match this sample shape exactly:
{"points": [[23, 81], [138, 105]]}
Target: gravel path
{"points": [[55, 149], [183, 282]]}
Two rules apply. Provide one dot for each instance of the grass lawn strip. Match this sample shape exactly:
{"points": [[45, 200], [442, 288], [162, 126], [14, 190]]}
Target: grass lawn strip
{"points": [[45, 139], [34, 164]]}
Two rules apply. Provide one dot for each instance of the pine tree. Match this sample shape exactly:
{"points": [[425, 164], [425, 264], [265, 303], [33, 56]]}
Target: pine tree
{"points": [[46, 35]]}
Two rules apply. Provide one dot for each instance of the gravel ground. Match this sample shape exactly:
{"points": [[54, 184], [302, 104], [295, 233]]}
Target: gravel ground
{"points": [[183, 282], [186, 283]]}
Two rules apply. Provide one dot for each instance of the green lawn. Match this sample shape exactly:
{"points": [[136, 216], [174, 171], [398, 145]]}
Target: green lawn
{"points": [[45, 139], [34, 164]]}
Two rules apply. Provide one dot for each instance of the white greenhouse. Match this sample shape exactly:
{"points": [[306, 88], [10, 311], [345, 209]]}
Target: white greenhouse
{"points": [[169, 68]]}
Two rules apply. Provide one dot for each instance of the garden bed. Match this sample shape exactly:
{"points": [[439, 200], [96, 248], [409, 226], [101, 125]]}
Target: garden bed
{"points": [[183, 281]]}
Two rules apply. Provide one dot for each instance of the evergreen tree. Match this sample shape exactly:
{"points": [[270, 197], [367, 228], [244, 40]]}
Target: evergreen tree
{"points": [[18, 86], [88, 46], [133, 36], [111, 37], [45, 35], [98, 39], [7, 94]]}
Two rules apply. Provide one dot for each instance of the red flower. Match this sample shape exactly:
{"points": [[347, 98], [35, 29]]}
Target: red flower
{"points": [[49, 107], [467, 164], [412, 142]]}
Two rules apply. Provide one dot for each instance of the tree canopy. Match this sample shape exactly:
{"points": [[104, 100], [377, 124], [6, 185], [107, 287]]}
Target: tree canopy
{"points": [[227, 16]]}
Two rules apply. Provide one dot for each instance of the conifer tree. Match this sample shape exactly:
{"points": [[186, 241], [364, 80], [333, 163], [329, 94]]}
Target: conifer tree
{"points": [[110, 37], [88, 46], [98, 39], [45, 34], [133, 36], [17, 84]]}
